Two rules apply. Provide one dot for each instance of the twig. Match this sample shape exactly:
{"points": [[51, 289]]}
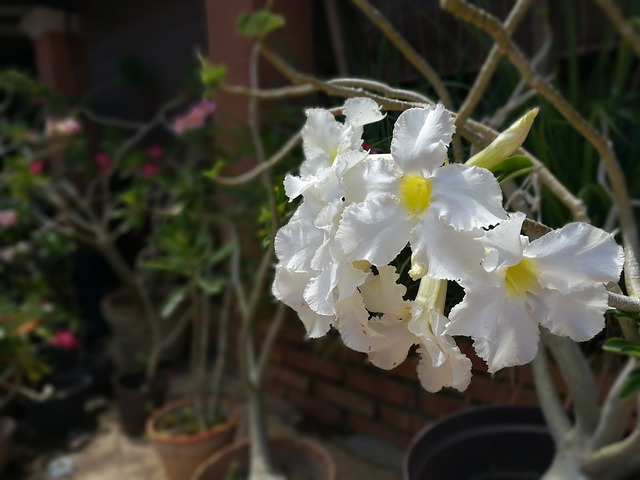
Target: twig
{"points": [[624, 28], [483, 20], [489, 66], [414, 58]]}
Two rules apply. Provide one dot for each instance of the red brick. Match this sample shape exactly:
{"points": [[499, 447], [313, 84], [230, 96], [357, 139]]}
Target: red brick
{"points": [[406, 420], [440, 405], [492, 391], [407, 369], [378, 384], [367, 425], [340, 396], [274, 390], [318, 410], [313, 364], [287, 378]]}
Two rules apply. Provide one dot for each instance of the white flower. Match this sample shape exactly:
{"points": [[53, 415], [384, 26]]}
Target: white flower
{"points": [[555, 281], [414, 198], [325, 140], [398, 324]]}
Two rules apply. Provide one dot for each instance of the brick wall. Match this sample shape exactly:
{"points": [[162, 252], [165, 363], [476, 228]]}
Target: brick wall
{"points": [[337, 387]]}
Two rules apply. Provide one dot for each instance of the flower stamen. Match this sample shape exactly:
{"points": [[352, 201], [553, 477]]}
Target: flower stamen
{"points": [[415, 193], [522, 278]]}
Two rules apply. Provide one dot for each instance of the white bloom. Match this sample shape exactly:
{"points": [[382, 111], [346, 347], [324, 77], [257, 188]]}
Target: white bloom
{"points": [[415, 198], [555, 281], [401, 324], [325, 141]]}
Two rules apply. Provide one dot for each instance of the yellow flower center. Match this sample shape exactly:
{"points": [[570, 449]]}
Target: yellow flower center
{"points": [[522, 278], [415, 193], [363, 265]]}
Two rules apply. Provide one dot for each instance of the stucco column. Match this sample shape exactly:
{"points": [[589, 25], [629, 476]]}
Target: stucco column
{"points": [[60, 57]]}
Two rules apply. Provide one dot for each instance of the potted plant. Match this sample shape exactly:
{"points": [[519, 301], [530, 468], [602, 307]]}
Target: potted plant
{"points": [[98, 180], [189, 246], [343, 260]]}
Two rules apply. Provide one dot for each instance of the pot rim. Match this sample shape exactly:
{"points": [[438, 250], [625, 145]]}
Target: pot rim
{"points": [[292, 438], [230, 423]]}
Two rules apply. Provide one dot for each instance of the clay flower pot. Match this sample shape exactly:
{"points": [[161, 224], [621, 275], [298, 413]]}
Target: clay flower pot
{"points": [[181, 454], [293, 455]]}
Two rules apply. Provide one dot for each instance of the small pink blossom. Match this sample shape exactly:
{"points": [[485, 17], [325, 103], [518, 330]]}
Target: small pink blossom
{"points": [[149, 169], [36, 167], [61, 127], [8, 218], [104, 162], [371, 148], [195, 117], [155, 152], [65, 339]]}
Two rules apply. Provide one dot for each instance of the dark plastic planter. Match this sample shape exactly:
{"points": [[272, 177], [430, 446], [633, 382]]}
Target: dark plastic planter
{"points": [[64, 409], [136, 400], [486, 443]]}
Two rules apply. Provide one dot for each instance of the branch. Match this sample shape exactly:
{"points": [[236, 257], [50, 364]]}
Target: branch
{"points": [[615, 460], [550, 403], [578, 377], [489, 66], [484, 21], [624, 28], [616, 412]]}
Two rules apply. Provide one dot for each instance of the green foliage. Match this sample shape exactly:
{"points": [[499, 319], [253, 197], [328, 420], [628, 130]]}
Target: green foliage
{"points": [[625, 347], [211, 76], [259, 23], [512, 167]]}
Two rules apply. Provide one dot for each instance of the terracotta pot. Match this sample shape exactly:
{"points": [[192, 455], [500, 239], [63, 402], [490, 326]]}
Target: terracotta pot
{"points": [[136, 400], [496, 442], [181, 454], [7, 427], [293, 455]]}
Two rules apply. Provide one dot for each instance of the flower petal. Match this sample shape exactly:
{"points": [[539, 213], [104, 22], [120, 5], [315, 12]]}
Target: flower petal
{"points": [[288, 287], [576, 254], [321, 137], [504, 243], [578, 315], [390, 342], [466, 197], [420, 138], [444, 252], [352, 321], [296, 243], [375, 230], [318, 293], [383, 294], [361, 111]]}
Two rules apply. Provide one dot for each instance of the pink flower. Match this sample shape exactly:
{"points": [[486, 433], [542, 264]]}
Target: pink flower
{"points": [[371, 148], [36, 167], [8, 218], [155, 152], [104, 162], [195, 117], [149, 169], [61, 127], [65, 339]]}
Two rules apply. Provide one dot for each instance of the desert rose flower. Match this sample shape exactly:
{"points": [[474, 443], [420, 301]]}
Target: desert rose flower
{"points": [[194, 118], [61, 127], [556, 281], [65, 339]]}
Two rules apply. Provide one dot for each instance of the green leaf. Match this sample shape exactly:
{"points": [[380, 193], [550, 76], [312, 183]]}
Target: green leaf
{"points": [[211, 75], [615, 345], [512, 167], [212, 286], [173, 301], [632, 387], [258, 24]]}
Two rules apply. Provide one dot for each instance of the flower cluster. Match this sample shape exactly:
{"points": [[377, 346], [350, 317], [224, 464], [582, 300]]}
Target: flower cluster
{"points": [[361, 213]]}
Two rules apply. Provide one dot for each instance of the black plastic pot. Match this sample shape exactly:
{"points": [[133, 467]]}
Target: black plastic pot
{"points": [[64, 409], [136, 399], [486, 443]]}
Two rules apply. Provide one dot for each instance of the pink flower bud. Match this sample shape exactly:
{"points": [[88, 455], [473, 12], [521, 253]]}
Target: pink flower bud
{"points": [[65, 339], [36, 167], [104, 162]]}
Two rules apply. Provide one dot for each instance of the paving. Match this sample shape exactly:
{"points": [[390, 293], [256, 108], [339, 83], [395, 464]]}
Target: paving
{"points": [[106, 453]]}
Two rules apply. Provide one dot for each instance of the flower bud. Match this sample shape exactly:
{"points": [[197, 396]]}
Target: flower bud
{"points": [[506, 143]]}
